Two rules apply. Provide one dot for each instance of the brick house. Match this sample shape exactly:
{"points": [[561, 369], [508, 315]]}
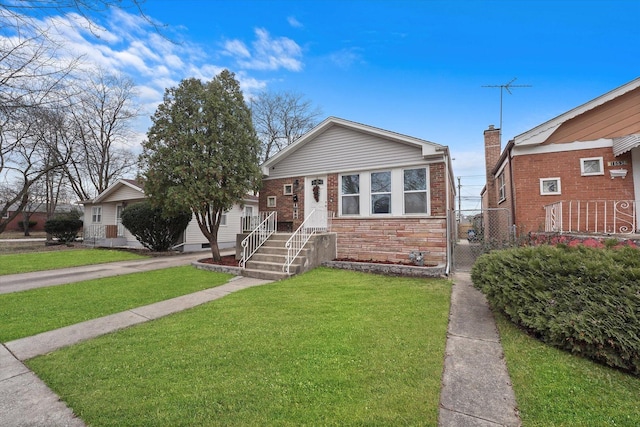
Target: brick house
{"points": [[575, 173], [385, 194]]}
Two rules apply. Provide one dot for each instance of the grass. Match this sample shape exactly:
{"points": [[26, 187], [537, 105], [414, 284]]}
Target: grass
{"points": [[329, 347], [38, 310], [51, 260], [555, 388]]}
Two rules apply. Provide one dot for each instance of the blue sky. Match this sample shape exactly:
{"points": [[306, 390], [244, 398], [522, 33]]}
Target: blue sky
{"points": [[413, 67]]}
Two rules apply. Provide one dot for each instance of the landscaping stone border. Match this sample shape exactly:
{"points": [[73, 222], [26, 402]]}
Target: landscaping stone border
{"points": [[219, 268], [389, 269]]}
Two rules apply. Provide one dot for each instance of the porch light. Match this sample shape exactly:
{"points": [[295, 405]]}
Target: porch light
{"points": [[618, 173]]}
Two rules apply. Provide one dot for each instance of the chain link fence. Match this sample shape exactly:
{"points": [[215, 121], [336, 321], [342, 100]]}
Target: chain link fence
{"points": [[475, 232]]}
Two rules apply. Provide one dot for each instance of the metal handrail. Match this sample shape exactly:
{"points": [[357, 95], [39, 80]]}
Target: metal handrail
{"points": [[258, 236], [302, 235]]}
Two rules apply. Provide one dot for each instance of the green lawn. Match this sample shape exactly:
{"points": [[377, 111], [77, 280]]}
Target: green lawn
{"points": [[555, 388], [328, 347], [38, 310], [51, 260]]}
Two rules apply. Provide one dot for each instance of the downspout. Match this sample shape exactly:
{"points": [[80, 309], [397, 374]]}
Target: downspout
{"points": [[448, 185]]}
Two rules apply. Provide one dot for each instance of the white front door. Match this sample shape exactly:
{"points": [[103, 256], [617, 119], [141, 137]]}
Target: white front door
{"points": [[635, 166], [315, 198]]}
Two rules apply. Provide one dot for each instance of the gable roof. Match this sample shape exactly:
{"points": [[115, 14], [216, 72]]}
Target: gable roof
{"points": [[541, 133], [428, 148], [131, 183]]}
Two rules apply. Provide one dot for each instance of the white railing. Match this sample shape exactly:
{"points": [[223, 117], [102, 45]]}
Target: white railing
{"points": [[258, 236], [94, 231], [250, 223], [592, 216], [316, 221]]}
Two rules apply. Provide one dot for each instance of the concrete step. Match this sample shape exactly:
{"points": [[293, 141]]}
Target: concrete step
{"points": [[264, 275], [272, 266]]}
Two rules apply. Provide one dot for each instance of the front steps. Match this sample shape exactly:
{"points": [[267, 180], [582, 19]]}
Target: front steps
{"points": [[268, 261]]}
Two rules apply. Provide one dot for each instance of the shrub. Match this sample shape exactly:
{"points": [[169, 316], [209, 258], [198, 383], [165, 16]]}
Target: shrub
{"points": [[154, 230], [582, 299], [63, 229]]}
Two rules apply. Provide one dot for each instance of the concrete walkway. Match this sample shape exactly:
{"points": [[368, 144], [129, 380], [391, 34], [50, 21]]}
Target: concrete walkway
{"points": [[476, 388]]}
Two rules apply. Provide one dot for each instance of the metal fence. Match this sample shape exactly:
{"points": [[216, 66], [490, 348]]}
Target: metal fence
{"points": [[474, 232]]}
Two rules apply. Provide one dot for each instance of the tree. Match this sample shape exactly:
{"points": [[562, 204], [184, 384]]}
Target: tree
{"points": [[202, 152], [101, 118], [153, 229], [281, 118]]}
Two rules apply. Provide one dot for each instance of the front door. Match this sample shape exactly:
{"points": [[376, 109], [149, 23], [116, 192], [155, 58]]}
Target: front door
{"points": [[315, 198]]}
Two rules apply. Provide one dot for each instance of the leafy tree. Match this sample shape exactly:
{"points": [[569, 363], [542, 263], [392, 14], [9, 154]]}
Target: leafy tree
{"points": [[202, 152], [152, 228]]}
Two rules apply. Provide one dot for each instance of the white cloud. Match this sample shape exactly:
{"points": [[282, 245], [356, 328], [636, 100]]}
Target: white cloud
{"points": [[267, 53], [345, 58], [294, 22]]}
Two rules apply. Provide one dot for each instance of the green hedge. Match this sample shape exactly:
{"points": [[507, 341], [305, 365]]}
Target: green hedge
{"points": [[62, 228], [581, 299]]}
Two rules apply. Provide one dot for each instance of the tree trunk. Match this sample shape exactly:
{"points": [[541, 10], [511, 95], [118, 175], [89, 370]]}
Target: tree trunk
{"points": [[215, 251], [25, 223]]}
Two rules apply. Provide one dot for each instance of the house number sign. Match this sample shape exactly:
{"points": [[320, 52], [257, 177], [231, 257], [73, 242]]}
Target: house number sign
{"points": [[617, 163], [317, 182]]}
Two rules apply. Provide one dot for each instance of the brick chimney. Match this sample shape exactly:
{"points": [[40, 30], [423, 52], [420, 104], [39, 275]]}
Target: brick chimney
{"points": [[492, 150]]}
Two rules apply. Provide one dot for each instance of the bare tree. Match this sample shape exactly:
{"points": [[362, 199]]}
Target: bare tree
{"points": [[101, 120], [280, 118], [29, 150]]}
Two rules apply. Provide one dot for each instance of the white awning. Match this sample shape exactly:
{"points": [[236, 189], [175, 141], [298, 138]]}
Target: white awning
{"points": [[625, 143]]}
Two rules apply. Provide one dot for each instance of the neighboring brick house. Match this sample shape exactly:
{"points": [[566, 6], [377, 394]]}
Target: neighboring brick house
{"points": [[578, 172], [103, 220], [386, 194]]}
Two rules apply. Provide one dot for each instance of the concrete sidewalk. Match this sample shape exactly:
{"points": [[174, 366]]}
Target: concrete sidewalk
{"points": [[26, 401], [38, 279], [476, 388]]}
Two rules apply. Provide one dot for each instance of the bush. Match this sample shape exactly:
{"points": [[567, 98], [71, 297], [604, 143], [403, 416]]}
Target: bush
{"points": [[63, 229], [31, 225], [152, 229], [581, 299]]}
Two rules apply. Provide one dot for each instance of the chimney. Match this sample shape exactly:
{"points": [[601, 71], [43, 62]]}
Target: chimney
{"points": [[492, 150]]}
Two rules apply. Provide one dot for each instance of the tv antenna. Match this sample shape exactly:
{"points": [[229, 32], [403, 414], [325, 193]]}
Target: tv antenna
{"points": [[508, 87]]}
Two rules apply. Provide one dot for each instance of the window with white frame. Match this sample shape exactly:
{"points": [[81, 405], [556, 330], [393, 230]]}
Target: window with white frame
{"points": [[415, 191], [502, 193], [271, 201], [549, 186], [591, 166], [96, 214], [223, 218], [350, 194], [381, 192], [287, 189]]}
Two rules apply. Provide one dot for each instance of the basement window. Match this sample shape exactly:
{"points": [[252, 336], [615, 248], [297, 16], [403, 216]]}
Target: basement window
{"points": [[549, 186]]}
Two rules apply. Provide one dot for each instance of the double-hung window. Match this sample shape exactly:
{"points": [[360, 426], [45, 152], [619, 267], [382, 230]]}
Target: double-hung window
{"points": [[502, 194], [350, 194], [381, 192], [96, 214], [415, 191]]}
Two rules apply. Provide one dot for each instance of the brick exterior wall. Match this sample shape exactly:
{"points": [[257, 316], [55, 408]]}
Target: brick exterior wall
{"points": [[391, 239], [528, 169], [492, 151], [380, 239]]}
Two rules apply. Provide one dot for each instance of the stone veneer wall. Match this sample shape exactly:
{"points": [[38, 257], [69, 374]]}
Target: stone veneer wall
{"points": [[391, 239]]}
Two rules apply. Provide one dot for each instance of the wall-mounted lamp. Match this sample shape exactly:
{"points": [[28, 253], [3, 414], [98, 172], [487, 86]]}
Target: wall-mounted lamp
{"points": [[618, 173]]}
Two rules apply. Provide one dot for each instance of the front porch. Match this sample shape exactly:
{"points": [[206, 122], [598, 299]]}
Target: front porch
{"points": [[100, 235]]}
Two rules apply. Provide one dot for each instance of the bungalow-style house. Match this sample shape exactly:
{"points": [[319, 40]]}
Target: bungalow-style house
{"points": [[103, 220], [385, 195], [576, 173]]}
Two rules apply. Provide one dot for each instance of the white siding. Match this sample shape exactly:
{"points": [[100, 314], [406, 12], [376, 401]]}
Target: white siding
{"points": [[124, 193], [341, 149], [226, 233]]}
